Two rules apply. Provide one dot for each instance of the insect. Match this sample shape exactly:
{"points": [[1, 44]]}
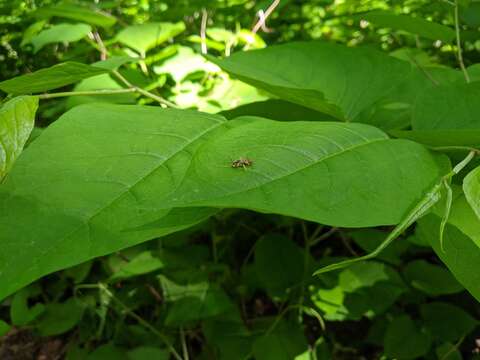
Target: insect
{"points": [[241, 163]]}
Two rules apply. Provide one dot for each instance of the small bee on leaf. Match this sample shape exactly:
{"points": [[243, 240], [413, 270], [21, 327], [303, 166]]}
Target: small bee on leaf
{"points": [[241, 163]]}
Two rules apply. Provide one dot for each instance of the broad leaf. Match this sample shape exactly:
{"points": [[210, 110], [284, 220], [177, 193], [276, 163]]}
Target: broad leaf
{"points": [[62, 33], [461, 242], [50, 78], [471, 188], [146, 36], [75, 12], [448, 107], [447, 322], [326, 77], [95, 196], [405, 340], [193, 302], [414, 25], [17, 118], [431, 279], [441, 138], [59, 318], [280, 272]]}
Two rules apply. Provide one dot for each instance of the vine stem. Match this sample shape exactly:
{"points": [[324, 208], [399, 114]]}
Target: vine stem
{"points": [[459, 43], [420, 209], [87, 93]]}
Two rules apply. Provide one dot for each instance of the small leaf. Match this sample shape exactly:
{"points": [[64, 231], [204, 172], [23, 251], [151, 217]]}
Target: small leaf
{"points": [[193, 302], [75, 12], [431, 279], [59, 318], [147, 36], [286, 342], [50, 78], [62, 33], [405, 340], [20, 313], [4, 328], [17, 118], [447, 322], [280, 272], [143, 263], [148, 353], [414, 25]]}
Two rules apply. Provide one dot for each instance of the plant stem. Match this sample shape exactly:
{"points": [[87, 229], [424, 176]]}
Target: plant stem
{"points": [[128, 311], [184, 344], [459, 44], [146, 93], [86, 93]]}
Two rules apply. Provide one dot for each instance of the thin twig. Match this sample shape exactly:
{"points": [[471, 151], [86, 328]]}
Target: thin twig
{"points": [[184, 344], [132, 314], [101, 45], [146, 93], [459, 44], [87, 93], [262, 19], [203, 31], [324, 236]]}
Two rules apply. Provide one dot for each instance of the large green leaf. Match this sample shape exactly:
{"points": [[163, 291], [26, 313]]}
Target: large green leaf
{"points": [[65, 33], [17, 118], [50, 78], [95, 176], [441, 138], [471, 187], [414, 25], [146, 36], [461, 242], [326, 77], [448, 107], [75, 12]]}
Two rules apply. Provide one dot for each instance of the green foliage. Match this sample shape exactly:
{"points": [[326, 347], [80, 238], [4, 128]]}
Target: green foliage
{"points": [[51, 78], [61, 33], [193, 163], [17, 118]]}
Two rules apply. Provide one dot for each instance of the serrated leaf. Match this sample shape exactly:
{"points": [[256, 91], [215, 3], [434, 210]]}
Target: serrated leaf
{"points": [[17, 118], [75, 12], [146, 36], [326, 77], [171, 158], [61, 33], [50, 78], [414, 25]]}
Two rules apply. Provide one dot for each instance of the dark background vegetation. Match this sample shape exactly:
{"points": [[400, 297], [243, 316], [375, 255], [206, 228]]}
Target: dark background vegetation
{"points": [[239, 286]]}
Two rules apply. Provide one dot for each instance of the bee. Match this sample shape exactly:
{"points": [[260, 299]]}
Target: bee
{"points": [[241, 163]]}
